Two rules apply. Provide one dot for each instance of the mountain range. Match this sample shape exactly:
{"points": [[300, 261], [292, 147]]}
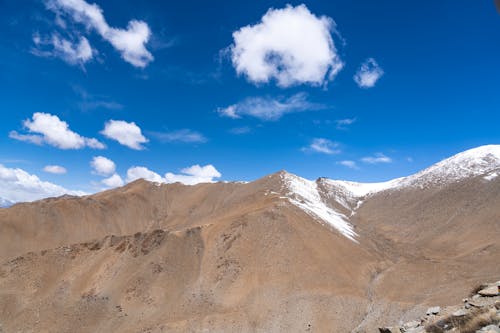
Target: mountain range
{"points": [[281, 253]]}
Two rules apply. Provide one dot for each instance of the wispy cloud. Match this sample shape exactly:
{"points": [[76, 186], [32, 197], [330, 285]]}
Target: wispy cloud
{"points": [[55, 169], [322, 146], [368, 74], [90, 101], [290, 45], [269, 109], [342, 124], [51, 130], [349, 164], [73, 52], [376, 159], [182, 135]]}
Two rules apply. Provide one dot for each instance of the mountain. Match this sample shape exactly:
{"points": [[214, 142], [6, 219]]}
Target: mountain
{"points": [[281, 253]]}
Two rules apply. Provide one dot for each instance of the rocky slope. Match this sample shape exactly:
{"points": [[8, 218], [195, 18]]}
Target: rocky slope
{"points": [[478, 313], [281, 253]]}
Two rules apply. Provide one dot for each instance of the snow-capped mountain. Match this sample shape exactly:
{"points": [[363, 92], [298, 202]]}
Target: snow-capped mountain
{"points": [[315, 197], [482, 161], [280, 248]]}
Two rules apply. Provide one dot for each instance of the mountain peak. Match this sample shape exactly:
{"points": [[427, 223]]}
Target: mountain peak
{"points": [[483, 160]]}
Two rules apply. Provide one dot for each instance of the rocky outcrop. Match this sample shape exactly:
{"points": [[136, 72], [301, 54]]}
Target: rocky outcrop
{"points": [[479, 313]]}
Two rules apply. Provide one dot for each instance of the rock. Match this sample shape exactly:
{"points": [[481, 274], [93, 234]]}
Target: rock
{"points": [[476, 297], [489, 329], [389, 330], [410, 325], [490, 291], [433, 311], [460, 313], [416, 330]]}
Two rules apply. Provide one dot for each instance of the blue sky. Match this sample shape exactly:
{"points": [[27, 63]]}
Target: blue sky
{"points": [[187, 75]]}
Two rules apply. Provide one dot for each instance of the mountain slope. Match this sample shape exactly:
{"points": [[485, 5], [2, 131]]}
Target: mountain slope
{"points": [[281, 253]]}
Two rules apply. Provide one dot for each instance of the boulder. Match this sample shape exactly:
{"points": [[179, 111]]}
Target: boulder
{"points": [[433, 311], [489, 291], [416, 330], [489, 329], [410, 325], [460, 313]]}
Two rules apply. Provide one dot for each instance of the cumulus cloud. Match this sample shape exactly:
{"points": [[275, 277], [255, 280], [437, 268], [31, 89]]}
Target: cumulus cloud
{"points": [[322, 146], [102, 166], [183, 135], [194, 175], [368, 74], [72, 52], [138, 172], [51, 130], [291, 45], [376, 159], [55, 169], [127, 134], [130, 42], [17, 185], [189, 176], [114, 181], [267, 108], [349, 164]]}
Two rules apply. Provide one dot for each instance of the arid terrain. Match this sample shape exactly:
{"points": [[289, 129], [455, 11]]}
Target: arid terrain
{"points": [[279, 254]]}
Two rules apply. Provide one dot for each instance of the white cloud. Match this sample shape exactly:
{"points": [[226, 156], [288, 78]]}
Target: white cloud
{"points": [[74, 53], [323, 146], [139, 172], [368, 74], [102, 166], [376, 159], [17, 185], [51, 130], [349, 164], [130, 42], [343, 123], [267, 108], [114, 181], [192, 175], [31, 138], [55, 169], [127, 134], [291, 45], [183, 135]]}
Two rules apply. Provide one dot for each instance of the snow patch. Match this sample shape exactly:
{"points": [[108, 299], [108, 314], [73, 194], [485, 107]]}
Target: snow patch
{"points": [[304, 194], [491, 176], [470, 163]]}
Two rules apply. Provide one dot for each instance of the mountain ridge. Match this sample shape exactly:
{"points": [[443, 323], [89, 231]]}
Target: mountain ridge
{"points": [[279, 253]]}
